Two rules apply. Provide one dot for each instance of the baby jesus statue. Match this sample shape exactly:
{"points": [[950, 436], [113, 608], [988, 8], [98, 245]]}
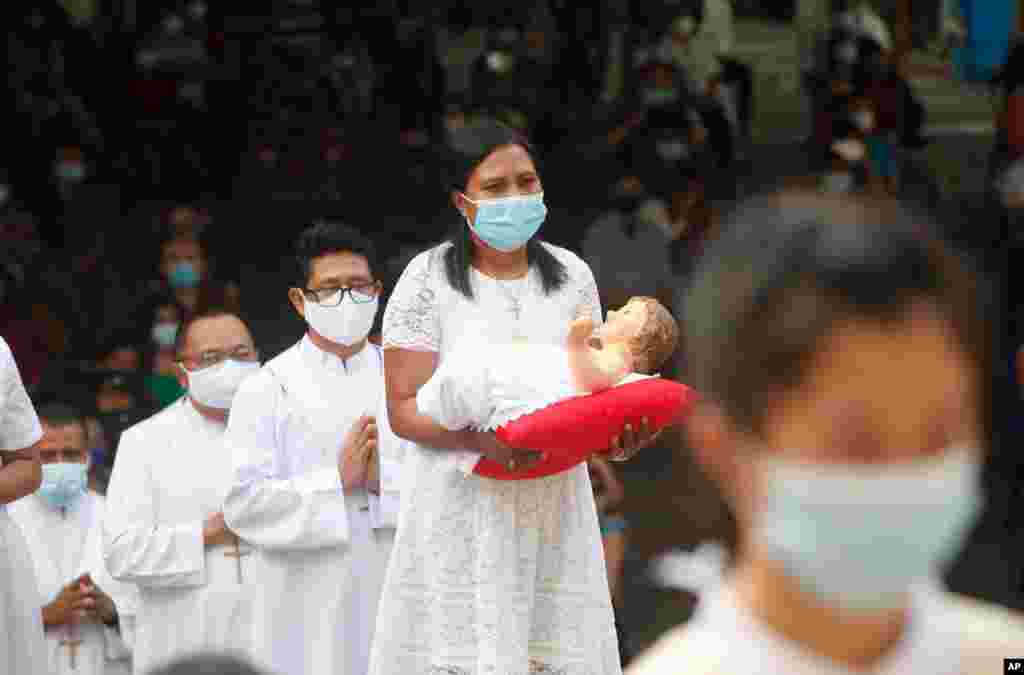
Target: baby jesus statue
{"points": [[485, 384]]}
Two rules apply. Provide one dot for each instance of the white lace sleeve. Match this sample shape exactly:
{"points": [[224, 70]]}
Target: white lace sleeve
{"points": [[589, 300], [411, 319]]}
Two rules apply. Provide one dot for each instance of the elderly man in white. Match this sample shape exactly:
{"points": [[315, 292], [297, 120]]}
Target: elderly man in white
{"points": [[165, 531], [303, 432], [83, 608]]}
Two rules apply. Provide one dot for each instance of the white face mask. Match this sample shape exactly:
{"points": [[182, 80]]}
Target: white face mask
{"points": [[345, 324], [216, 386], [838, 182], [864, 120], [860, 536]]}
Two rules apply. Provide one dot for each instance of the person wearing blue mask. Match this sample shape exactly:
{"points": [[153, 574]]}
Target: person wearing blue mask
{"points": [[841, 359], [62, 525], [489, 577]]}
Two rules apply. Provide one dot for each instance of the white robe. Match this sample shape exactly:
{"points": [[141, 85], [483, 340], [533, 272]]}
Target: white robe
{"points": [[502, 577], [321, 558], [22, 646], [947, 635], [171, 473], [64, 545]]}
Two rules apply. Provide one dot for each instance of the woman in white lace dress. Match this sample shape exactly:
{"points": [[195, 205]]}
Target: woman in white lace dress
{"points": [[489, 577], [22, 649]]}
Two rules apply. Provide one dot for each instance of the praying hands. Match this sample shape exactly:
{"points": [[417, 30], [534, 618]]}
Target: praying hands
{"points": [[81, 601]]}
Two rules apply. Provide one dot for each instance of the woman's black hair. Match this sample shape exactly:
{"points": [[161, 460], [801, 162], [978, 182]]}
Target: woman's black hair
{"points": [[789, 268], [471, 146]]}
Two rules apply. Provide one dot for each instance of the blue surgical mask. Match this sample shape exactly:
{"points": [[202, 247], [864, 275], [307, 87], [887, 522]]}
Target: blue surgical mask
{"points": [[507, 223], [63, 483], [860, 536], [184, 275], [164, 333]]}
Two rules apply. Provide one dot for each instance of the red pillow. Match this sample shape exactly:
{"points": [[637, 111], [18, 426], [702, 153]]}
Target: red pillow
{"points": [[569, 431]]}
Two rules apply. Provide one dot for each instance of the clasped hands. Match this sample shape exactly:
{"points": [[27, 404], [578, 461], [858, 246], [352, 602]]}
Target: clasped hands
{"points": [[358, 465], [623, 447], [81, 601]]}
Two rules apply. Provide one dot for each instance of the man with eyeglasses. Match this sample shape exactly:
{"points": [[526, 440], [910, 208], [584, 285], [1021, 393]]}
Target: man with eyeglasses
{"points": [[165, 531], [303, 434]]}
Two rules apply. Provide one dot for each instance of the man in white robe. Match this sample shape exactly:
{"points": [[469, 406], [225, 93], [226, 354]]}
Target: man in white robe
{"points": [[22, 645], [303, 436], [165, 531], [62, 524]]}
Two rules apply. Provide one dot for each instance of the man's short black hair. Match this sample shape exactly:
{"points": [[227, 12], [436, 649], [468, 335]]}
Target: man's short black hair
{"points": [[59, 414], [789, 268], [325, 238]]}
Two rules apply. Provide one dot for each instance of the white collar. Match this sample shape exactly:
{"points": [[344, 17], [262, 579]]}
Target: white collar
{"points": [[321, 359], [925, 647]]}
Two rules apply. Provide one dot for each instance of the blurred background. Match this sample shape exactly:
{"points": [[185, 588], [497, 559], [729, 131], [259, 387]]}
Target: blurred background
{"points": [[160, 156]]}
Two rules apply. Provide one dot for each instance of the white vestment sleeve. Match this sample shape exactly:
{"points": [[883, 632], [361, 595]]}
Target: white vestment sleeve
{"points": [[137, 548], [19, 426], [390, 452], [262, 507], [123, 595]]}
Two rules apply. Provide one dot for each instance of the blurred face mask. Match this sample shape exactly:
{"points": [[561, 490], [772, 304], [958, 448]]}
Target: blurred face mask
{"points": [[164, 333], [215, 386], [507, 223], [184, 275], [859, 537], [71, 172], [838, 182], [63, 483], [344, 324], [864, 120]]}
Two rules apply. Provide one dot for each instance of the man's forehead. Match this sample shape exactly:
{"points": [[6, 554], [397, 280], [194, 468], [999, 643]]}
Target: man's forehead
{"points": [[342, 264], [62, 431], [216, 333]]}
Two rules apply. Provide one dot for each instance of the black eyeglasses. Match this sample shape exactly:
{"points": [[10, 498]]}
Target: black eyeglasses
{"points": [[211, 358], [333, 296]]}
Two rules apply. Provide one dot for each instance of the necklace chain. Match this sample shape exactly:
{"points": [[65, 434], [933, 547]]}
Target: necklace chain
{"points": [[515, 300]]}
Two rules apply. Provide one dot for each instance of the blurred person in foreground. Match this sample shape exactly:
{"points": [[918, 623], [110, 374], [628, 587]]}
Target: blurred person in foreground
{"points": [[837, 348], [62, 523], [22, 646], [209, 664], [165, 531]]}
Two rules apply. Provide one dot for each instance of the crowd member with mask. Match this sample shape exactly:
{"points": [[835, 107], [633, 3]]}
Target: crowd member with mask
{"points": [[489, 576], [303, 438], [87, 630], [627, 247], [165, 531], [853, 463], [21, 624]]}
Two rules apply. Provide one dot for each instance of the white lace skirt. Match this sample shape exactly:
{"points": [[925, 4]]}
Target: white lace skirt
{"points": [[22, 646], [494, 577]]}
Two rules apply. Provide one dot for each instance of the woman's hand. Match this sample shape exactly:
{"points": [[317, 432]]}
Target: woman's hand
{"points": [[630, 441], [513, 459]]}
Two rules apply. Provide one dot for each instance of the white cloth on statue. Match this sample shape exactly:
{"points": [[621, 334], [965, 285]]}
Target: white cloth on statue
{"points": [[484, 385], [22, 646], [318, 552], [171, 474], [489, 576], [64, 545], [947, 635]]}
